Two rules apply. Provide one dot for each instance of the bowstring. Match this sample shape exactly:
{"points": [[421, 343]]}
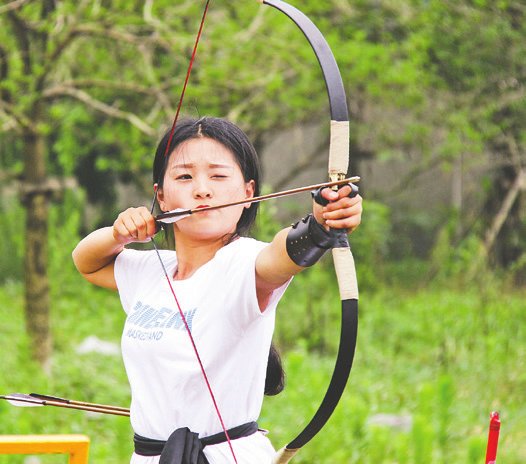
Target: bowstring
{"points": [[168, 280]]}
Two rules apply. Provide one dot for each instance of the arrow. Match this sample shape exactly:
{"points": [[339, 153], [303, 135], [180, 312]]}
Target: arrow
{"points": [[175, 215], [36, 400]]}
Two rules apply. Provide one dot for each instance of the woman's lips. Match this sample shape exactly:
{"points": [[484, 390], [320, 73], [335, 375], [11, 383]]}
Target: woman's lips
{"points": [[201, 206]]}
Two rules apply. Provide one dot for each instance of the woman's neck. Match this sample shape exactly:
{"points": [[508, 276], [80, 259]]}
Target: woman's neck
{"points": [[191, 255]]}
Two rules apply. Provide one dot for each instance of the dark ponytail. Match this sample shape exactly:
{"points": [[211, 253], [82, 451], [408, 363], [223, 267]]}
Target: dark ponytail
{"points": [[275, 381]]}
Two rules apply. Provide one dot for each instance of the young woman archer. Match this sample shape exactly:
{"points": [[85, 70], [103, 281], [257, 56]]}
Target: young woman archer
{"points": [[228, 286]]}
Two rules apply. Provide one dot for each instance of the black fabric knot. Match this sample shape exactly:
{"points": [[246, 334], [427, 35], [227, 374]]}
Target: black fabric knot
{"points": [[183, 447]]}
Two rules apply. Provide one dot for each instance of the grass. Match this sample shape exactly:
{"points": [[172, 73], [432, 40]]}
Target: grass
{"points": [[442, 358]]}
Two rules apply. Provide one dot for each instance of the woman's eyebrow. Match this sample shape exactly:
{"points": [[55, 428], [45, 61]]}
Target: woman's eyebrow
{"points": [[216, 165], [183, 166]]}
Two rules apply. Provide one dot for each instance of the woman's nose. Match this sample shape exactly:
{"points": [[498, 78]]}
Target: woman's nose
{"points": [[202, 190]]}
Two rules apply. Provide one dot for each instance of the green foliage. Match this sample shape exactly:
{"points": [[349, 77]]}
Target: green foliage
{"points": [[265, 226], [427, 82], [64, 224], [312, 306], [454, 261], [435, 356], [79, 311], [371, 244]]}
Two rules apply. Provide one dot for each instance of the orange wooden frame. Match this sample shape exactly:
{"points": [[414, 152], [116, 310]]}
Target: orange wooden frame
{"points": [[76, 446]]}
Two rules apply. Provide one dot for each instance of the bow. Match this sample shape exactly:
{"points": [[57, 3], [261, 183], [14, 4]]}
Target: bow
{"points": [[343, 259]]}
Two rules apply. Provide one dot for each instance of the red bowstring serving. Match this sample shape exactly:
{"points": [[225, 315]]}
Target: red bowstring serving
{"points": [[192, 341]]}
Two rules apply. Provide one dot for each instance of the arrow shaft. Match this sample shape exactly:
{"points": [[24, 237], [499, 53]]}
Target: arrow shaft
{"points": [[78, 403], [59, 404]]}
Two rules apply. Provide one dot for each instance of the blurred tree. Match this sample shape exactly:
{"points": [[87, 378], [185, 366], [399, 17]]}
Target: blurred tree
{"points": [[52, 52], [86, 89], [476, 54]]}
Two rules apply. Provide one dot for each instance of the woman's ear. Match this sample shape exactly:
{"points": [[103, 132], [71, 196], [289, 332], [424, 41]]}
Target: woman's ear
{"points": [[250, 188], [160, 197]]}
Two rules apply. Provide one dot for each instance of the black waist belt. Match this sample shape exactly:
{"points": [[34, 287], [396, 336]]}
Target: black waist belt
{"points": [[185, 447]]}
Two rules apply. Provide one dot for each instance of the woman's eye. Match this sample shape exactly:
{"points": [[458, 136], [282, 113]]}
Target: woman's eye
{"points": [[183, 177], [219, 176]]}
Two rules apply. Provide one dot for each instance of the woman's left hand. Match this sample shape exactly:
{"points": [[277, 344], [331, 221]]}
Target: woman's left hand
{"points": [[342, 212]]}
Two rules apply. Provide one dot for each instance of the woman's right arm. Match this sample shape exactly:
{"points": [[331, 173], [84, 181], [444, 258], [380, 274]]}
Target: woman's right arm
{"points": [[94, 256]]}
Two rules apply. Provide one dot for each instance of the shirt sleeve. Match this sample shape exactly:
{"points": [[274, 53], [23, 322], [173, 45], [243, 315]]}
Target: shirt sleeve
{"points": [[241, 274]]}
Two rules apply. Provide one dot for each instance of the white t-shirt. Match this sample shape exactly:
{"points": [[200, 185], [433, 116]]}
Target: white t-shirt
{"points": [[232, 336]]}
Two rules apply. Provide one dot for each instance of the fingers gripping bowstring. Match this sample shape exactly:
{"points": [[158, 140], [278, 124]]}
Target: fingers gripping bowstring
{"points": [[172, 131]]}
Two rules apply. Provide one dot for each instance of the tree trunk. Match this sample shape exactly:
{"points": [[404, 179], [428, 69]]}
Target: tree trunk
{"points": [[457, 192], [499, 219], [504, 211], [36, 200]]}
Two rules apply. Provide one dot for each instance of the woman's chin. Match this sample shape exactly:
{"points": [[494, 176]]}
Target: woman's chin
{"points": [[206, 232]]}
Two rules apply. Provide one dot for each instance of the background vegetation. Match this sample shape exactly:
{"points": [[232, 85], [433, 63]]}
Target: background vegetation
{"points": [[87, 87]]}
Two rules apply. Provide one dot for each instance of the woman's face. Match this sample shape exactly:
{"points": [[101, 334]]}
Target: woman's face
{"points": [[203, 172]]}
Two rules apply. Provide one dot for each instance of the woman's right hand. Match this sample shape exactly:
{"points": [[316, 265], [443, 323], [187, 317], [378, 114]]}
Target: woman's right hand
{"points": [[134, 225]]}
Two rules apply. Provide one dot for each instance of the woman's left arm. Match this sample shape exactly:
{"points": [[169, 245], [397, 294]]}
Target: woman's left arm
{"points": [[274, 266]]}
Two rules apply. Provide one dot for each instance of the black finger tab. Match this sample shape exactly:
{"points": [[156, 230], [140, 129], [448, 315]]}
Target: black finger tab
{"points": [[354, 190], [316, 196]]}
